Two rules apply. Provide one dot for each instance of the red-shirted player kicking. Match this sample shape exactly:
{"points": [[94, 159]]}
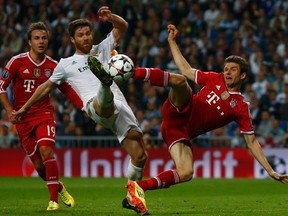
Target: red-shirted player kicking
{"points": [[36, 130], [185, 116]]}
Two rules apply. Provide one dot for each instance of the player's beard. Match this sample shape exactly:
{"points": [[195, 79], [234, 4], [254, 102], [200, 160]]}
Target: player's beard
{"points": [[84, 47]]}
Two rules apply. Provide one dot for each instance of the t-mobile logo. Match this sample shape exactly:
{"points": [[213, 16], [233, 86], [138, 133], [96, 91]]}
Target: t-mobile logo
{"points": [[28, 85], [212, 98]]}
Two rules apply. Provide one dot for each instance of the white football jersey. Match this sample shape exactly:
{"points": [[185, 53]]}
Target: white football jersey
{"points": [[76, 72]]}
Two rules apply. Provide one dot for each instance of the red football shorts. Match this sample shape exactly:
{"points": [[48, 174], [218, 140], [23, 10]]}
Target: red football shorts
{"points": [[175, 123], [34, 133]]}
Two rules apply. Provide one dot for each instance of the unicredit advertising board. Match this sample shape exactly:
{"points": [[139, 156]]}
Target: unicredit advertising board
{"points": [[112, 162]]}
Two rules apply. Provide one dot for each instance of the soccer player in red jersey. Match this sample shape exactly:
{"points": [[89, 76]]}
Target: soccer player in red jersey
{"points": [[185, 116], [36, 130]]}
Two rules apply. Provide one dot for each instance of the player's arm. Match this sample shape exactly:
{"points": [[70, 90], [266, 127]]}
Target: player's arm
{"points": [[119, 24], [4, 85], [258, 154], [184, 67], [4, 100], [41, 92], [69, 92]]}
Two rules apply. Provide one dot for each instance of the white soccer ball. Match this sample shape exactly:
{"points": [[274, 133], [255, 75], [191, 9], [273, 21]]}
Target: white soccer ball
{"points": [[121, 67]]}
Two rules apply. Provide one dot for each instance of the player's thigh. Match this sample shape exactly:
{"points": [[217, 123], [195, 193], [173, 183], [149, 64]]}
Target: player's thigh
{"points": [[45, 130], [45, 136], [180, 92], [27, 138], [126, 122]]}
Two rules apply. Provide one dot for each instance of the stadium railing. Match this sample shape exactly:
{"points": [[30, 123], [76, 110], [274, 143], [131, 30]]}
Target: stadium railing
{"points": [[112, 142]]}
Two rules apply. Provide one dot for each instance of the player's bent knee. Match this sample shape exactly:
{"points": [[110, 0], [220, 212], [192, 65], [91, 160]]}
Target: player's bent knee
{"points": [[179, 80], [185, 175]]}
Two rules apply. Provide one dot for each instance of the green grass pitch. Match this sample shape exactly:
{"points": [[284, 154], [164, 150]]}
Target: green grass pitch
{"points": [[100, 196]]}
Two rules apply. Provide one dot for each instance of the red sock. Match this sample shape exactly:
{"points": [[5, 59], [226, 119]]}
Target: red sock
{"points": [[52, 177], [163, 180], [155, 76]]}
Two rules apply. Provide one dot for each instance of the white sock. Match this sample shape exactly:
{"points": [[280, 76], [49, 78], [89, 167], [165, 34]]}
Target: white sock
{"points": [[134, 173], [105, 96]]}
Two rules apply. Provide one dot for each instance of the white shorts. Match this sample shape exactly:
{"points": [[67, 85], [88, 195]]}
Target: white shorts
{"points": [[120, 122]]}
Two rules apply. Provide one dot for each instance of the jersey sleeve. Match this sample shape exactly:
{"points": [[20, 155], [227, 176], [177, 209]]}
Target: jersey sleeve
{"points": [[58, 74], [103, 49], [201, 78], [70, 93], [244, 120], [8, 74]]}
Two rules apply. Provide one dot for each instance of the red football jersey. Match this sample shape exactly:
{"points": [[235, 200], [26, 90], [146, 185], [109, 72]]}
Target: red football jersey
{"points": [[215, 106], [212, 107], [25, 76]]}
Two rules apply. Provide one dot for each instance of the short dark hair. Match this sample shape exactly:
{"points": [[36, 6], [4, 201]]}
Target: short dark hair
{"points": [[244, 66], [74, 25], [36, 26]]}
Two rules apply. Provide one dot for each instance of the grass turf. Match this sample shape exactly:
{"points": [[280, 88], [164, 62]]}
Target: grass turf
{"points": [[99, 196]]}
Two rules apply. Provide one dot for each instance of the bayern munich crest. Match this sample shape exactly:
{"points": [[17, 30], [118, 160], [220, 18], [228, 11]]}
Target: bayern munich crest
{"points": [[47, 73], [233, 103]]}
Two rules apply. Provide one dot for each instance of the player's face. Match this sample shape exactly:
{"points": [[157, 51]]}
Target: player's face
{"points": [[83, 40], [39, 41], [233, 77]]}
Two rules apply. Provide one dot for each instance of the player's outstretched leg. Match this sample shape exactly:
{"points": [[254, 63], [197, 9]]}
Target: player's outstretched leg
{"points": [[66, 198], [97, 69], [52, 206], [135, 199]]}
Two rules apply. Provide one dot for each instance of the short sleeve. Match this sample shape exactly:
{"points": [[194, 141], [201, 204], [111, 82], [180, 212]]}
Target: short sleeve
{"points": [[58, 75]]}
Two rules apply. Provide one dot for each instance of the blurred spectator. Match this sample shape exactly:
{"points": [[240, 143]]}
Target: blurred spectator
{"points": [[260, 85], [265, 124], [141, 118], [6, 138], [5, 121], [282, 113], [281, 96], [255, 110], [275, 135], [210, 16], [138, 40], [15, 42], [268, 102], [102, 131], [238, 141], [147, 140], [66, 49], [219, 138]]}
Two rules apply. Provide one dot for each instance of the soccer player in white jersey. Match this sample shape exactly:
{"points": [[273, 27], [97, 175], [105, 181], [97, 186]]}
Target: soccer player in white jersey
{"points": [[102, 99]]}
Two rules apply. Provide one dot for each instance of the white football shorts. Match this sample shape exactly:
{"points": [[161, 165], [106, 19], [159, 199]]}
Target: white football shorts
{"points": [[120, 122]]}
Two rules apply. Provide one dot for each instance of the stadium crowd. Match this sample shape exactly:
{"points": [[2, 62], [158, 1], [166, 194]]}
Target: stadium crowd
{"points": [[209, 32]]}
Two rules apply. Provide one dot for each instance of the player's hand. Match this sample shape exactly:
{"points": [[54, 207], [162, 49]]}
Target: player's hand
{"points": [[281, 178], [12, 118], [104, 13], [173, 31], [18, 114]]}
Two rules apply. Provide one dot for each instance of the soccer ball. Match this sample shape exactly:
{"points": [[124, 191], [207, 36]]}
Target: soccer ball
{"points": [[120, 67]]}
